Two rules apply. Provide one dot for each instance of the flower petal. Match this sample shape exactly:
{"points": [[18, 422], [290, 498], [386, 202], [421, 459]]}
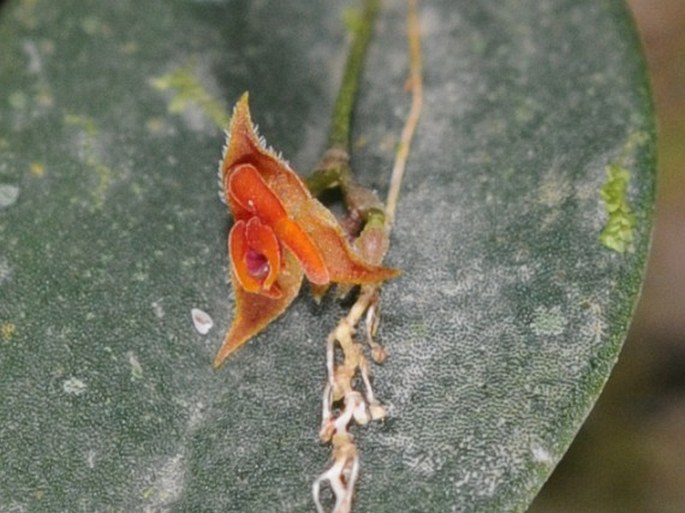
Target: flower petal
{"points": [[262, 238], [343, 263], [239, 248], [254, 312], [244, 146], [247, 188], [299, 242]]}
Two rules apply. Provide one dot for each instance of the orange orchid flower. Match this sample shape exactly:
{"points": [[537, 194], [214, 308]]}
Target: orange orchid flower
{"points": [[280, 234]]}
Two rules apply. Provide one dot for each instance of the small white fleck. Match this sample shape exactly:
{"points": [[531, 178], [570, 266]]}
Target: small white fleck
{"points": [[168, 483], [35, 63], [157, 308], [541, 455], [196, 414], [74, 386], [5, 270], [202, 321], [8, 195], [136, 368], [140, 276], [90, 458], [459, 483]]}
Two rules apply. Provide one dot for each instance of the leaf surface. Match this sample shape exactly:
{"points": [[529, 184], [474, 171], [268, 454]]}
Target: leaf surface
{"points": [[502, 329]]}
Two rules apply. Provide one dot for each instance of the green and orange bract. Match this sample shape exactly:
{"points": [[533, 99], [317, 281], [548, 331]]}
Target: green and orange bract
{"points": [[280, 234]]}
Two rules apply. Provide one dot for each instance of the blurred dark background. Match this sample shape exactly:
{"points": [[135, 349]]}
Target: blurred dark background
{"points": [[629, 456]]}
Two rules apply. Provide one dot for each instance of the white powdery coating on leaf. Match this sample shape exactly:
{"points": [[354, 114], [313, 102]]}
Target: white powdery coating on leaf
{"points": [[158, 309], [201, 320], [8, 195], [542, 455], [74, 386], [168, 485], [548, 321], [136, 368], [5, 270]]}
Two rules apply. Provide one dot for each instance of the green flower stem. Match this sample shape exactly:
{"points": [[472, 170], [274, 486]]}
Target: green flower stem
{"points": [[339, 135], [334, 169]]}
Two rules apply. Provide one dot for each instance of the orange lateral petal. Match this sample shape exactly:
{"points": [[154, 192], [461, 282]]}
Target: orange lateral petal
{"points": [[297, 241], [237, 248], [247, 188], [254, 312]]}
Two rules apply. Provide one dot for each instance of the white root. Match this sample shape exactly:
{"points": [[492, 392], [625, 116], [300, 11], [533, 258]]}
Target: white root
{"points": [[342, 475]]}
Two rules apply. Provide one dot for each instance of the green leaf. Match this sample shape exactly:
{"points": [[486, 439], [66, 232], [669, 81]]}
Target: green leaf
{"points": [[502, 330]]}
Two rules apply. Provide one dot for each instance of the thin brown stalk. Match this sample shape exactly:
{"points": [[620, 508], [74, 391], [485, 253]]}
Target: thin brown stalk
{"points": [[416, 85]]}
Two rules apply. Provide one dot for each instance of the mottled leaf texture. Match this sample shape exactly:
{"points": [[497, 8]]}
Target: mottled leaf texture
{"points": [[501, 330]]}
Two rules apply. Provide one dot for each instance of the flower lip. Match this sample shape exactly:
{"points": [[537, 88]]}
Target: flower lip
{"points": [[256, 256], [257, 264]]}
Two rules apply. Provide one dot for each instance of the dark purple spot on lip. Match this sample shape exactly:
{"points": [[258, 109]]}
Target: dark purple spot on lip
{"points": [[257, 264]]}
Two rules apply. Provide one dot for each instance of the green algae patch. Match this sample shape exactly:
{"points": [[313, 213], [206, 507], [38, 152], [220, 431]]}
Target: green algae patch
{"points": [[7, 330], [188, 91], [618, 231], [91, 155]]}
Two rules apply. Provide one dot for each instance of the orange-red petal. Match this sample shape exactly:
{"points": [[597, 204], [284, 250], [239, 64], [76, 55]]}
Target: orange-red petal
{"points": [[300, 243], [248, 189], [244, 244], [262, 240], [343, 263], [254, 312], [245, 147]]}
